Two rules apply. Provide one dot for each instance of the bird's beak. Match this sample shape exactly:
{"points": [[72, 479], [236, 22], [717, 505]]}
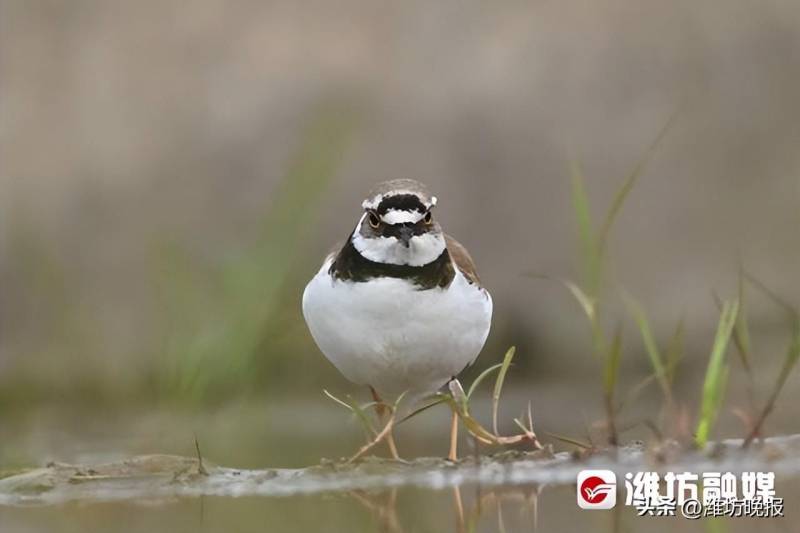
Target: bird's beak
{"points": [[406, 232]]}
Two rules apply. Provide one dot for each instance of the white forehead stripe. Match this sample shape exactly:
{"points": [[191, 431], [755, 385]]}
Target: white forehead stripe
{"points": [[399, 216], [375, 201]]}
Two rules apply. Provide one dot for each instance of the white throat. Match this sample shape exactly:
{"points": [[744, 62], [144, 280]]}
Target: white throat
{"points": [[421, 249]]}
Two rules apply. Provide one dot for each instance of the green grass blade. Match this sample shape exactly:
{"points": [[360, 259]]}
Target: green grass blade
{"points": [[789, 361], [440, 400], [472, 425], [656, 360], [714, 383], [634, 392], [224, 315], [630, 182], [740, 335], [362, 416], [723, 387], [611, 368], [610, 373], [483, 375], [772, 295], [398, 400], [794, 318], [520, 425], [583, 219], [570, 440], [356, 409], [458, 396], [589, 308], [337, 400], [792, 356], [498, 385], [584, 300]]}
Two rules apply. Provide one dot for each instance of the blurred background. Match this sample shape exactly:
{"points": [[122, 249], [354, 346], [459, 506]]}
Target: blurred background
{"points": [[172, 173]]}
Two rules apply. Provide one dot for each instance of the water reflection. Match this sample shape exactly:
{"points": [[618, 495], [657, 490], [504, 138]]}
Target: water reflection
{"points": [[470, 506]]}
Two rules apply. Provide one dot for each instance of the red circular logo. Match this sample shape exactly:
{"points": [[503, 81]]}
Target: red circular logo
{"points": [[590, 492]]}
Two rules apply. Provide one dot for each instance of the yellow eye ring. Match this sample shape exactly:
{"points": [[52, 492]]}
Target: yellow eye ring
{"points": [[428, 218], [374, 221]]}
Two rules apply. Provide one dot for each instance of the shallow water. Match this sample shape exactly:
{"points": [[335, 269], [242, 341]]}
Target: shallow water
{"points": [[512, 491]]}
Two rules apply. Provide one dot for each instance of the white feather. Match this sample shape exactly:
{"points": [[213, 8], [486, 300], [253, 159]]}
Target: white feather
{"points": [[400, 216], [421, 249], [375, 201], [391, 335]]}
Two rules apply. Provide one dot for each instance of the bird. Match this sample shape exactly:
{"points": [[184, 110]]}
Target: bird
{"points": [[399, 306]]}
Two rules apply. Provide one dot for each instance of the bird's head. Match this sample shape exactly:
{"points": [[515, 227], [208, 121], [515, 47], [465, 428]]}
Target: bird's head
{"points": [[398, 226]]}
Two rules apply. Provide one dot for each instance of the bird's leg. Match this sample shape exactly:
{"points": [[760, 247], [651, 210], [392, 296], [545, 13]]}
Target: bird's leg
{"points": [[453, 455], [384, 433], [380, 409]]}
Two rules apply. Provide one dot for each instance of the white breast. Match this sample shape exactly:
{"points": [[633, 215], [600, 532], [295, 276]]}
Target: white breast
{"points": [[389, 334]]}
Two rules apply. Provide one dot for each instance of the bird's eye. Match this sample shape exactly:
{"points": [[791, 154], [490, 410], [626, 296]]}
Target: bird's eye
{"points": [[374, 221], [428, 218]]}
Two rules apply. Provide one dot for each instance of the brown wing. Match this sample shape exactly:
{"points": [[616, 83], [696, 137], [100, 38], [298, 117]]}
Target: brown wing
{"points": [[462, 259]]}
